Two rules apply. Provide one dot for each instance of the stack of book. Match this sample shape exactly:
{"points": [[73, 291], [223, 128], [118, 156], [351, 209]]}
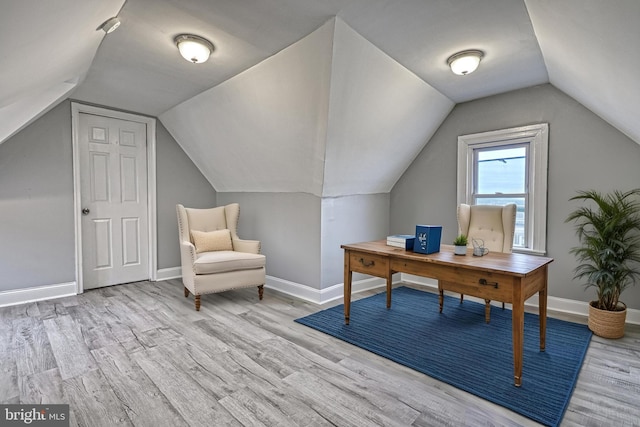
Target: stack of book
{"points": [[404, 241]]}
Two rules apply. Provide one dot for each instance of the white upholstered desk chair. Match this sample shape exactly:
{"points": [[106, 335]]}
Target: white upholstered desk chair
{"points": [[214, 258], [495, 225]]}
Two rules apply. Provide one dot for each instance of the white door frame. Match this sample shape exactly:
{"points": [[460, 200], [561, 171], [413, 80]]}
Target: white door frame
{"points": [[76, 110]]}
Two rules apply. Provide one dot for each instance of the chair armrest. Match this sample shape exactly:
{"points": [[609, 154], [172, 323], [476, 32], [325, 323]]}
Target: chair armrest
{"points": [[250, 246], [187, 252], [187, 260]]}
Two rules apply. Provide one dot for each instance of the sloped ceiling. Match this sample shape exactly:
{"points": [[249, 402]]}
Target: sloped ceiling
{"points": [[141, 58], [51, 50], [46, 48], [330, 115], [380, 117], [262, 130], [16, 115], [592, 52]]}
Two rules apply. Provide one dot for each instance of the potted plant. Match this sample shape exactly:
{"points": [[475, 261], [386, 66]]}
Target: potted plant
{"points": [[609, 254], [460, 244]]}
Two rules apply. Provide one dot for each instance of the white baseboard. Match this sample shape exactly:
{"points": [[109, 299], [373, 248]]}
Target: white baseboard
{"points": [[562, 305], [37, 293], [169, 273], [321, 296], [297, 290], [40, 293]]}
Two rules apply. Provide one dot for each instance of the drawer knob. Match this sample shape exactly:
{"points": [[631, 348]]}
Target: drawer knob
{"points": [[367, 263], [484, 282]]}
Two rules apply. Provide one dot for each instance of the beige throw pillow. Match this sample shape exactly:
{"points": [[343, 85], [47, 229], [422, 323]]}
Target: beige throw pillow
{"points": [[207, 241]]}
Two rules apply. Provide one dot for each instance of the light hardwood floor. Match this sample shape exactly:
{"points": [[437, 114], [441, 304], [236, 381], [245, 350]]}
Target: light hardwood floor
{"points": [[139, 354]]}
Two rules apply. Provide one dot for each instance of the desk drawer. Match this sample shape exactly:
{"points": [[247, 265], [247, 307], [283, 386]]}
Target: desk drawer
{"points": [[374, 265], [496, 287]]}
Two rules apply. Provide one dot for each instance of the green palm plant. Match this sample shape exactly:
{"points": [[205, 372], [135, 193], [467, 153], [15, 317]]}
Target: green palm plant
{"points": [[609, 234]]}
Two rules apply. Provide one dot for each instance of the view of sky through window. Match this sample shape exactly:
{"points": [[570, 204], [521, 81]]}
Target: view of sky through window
{"points": [[501, 179]]}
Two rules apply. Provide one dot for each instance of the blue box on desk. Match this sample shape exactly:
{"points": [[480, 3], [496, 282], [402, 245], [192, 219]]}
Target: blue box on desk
{"points": [[427, 239]]}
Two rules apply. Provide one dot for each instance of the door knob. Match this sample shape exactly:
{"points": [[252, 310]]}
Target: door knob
{"points": [[85, 211]]}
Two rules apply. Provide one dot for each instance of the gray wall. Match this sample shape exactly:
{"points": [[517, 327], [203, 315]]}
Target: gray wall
{"points": [[177, 181], [288, 227], [350, 219], [36, 201], [36, 204], [301, 233], [584, 153]]}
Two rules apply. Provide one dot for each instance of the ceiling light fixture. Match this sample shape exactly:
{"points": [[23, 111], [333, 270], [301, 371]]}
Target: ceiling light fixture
{"points": [[465, 62], [194, 48], [110, 25]]}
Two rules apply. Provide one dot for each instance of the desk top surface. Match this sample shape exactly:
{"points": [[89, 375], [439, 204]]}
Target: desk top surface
{"points": [[514, 264]]}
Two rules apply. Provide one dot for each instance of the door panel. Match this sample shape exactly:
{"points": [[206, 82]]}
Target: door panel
{"points": [[130, 241], [99, 177], [101, 240], [129, 179], [99, 135], [113, 181], [127, 138]]}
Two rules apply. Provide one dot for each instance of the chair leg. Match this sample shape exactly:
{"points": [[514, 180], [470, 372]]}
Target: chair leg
{"points": [[503, 306], [487, 310], [197, 302], [461, 298], [186, 292], [260, 291], [441, 298]]}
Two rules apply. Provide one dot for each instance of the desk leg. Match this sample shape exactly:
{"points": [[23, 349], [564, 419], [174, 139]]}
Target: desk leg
{"points": [[347, 286], [517, 326], [389, 280], [542, 314]]}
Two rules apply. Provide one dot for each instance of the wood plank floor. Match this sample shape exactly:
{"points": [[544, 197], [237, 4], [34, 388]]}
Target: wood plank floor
{"points": [[140, 355]]}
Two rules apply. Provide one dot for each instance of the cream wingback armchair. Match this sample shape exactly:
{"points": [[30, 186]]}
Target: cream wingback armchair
{"points": [[214, 258], [495, 225]]}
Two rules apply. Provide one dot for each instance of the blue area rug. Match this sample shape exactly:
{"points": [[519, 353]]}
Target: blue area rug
{"points": [[459, 348]]}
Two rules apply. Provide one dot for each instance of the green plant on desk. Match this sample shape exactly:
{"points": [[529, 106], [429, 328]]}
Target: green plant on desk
{"points": [[461, 240]]}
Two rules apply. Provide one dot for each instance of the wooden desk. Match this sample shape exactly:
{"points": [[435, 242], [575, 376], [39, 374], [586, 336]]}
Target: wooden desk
{"points": [[511, 278]]}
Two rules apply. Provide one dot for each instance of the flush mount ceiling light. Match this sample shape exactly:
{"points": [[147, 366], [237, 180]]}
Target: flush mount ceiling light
{"points": [[194, 48], [465, 62], [110, 25]]}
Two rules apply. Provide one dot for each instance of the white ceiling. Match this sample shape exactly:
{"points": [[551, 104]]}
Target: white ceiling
{"points": [[330, 115], [591, 50], [51, 49], [418, 34], [46, 48]]}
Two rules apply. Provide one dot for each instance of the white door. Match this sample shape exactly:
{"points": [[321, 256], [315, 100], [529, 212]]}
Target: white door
{"points": [[113, 192]]}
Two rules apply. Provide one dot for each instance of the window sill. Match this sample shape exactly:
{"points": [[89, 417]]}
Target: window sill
{"points": [[528, 251]]}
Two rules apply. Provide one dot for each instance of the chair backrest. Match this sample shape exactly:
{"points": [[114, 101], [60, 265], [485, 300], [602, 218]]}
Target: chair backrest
{"points": [[493, 224], [208, 220]]}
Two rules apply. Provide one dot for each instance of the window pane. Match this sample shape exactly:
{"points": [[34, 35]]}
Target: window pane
{"points": [[502, 166], [501, 170], [519, 236]]}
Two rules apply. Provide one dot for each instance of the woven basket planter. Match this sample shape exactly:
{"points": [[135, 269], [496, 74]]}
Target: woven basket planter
{"points": [[605, 323]]}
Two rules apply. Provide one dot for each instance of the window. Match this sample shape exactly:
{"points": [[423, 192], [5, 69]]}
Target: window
{"points": [[509, 166]]}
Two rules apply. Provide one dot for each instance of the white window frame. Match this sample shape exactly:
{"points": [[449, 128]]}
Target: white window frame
{"points": [[538, 138]]}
